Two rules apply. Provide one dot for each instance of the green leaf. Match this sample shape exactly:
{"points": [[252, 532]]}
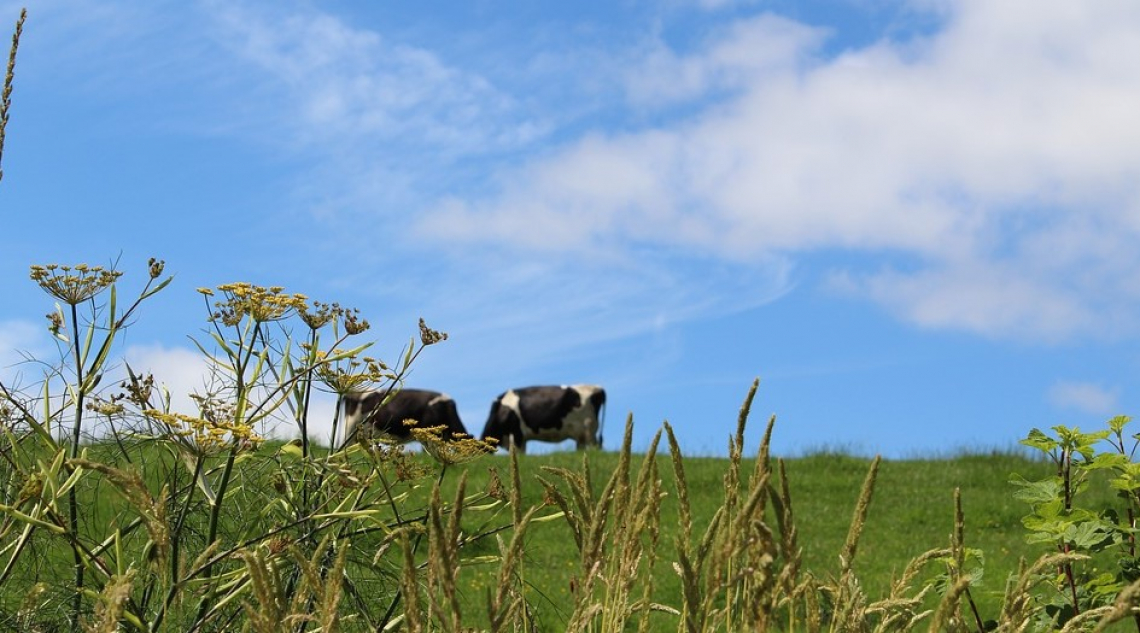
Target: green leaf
{"points": [[1086, 536], [408, 354], [1106, 460], [1118, 423], [1035, 492], [157, 289], [291, 449], [548, 517], [1037, 439], [30, 520]]}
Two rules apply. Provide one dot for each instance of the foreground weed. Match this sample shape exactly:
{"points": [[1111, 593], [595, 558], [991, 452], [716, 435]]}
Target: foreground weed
{"points": [[1085, 535], [199, 526], [206, 528]]}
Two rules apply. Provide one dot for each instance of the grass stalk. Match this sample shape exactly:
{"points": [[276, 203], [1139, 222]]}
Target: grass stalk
{"points": [[9, 77]]}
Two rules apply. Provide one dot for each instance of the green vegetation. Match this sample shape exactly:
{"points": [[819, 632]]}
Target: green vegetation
{"points": [[164, 521], [119, 513]]}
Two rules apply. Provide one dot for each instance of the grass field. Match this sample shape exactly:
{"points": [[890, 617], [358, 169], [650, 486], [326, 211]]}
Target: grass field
{"points": [[912, 512], [178, 522]]}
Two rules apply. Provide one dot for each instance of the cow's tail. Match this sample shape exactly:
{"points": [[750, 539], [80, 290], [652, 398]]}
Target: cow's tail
{"points": [[600, 399]]}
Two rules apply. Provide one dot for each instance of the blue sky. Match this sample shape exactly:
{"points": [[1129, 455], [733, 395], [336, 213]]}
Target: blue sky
{"points": [[915, 222]]}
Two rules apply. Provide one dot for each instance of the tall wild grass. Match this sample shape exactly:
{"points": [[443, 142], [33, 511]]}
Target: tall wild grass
{"points": [[120, 513]]}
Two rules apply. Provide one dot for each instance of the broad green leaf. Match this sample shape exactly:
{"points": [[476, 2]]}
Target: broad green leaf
{"points": [[1086, 535], [1037, 439], [1106, 460], [1118, 423], [1034, 492]]}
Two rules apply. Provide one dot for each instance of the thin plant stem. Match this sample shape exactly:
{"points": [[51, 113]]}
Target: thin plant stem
{"points": [[73, 452]]}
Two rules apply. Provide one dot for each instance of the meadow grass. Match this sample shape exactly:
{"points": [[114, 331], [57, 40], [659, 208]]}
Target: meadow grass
{"points": [[591, 541], [912, 513], [119, 514]]}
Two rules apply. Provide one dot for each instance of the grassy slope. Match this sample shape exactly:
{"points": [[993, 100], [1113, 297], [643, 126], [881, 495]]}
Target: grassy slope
{"points": [[912, 512]]}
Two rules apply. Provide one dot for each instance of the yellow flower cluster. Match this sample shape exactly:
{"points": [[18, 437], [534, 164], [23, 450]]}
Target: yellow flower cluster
{"points": [[352, 374], [259, 303], [457, 450], [209, 435], [102, 407], [73, 284]]}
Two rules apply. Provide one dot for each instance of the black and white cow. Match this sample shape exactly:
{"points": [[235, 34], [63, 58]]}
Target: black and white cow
{"points": [[366, 412], [548, 414]]}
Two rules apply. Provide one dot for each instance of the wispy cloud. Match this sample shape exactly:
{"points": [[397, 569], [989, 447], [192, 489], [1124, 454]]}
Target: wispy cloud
{"points": [[343, 86], [1084, 397], [999, 156], [21, 341], [980, 176], [183, 371]]}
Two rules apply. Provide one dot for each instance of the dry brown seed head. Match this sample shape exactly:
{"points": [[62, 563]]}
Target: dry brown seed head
{"points": [[429, 336]]}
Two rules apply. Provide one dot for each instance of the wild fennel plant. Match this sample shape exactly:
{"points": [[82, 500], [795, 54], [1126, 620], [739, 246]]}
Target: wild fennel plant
{"points": [[202, 523]]}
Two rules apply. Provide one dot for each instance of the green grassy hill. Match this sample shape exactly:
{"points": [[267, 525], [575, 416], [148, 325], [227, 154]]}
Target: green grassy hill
{"points": [[912, 511]]}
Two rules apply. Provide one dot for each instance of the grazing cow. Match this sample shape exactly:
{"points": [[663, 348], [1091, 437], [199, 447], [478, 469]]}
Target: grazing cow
{"points": [[549, 414], [428, 409]]}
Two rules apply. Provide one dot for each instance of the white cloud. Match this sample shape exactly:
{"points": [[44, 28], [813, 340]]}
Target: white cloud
{"points": [[19, 342], [536, 311], [734, 58], [342, 86], [180, 370], [1085, 397], [183, 371], [1000, 155]]}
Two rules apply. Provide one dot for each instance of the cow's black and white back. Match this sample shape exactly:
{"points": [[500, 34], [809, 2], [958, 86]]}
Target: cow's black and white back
{"points": [[383, 413], [547, 414]]}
